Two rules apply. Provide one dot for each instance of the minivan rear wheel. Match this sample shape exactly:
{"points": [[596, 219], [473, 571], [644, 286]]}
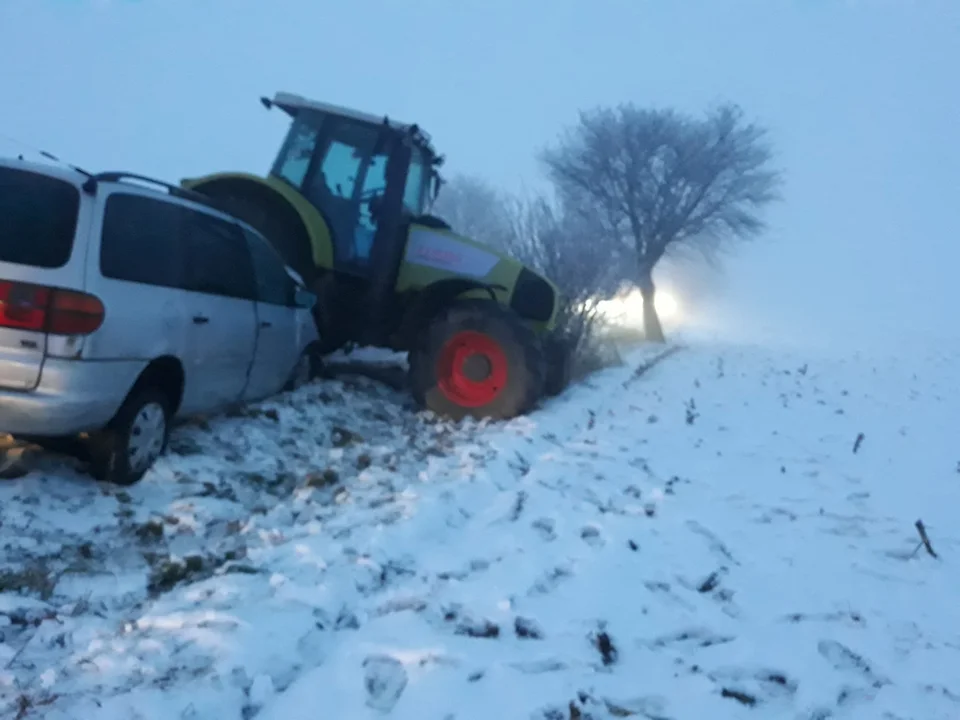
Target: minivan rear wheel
{"points": [[134, 439]]}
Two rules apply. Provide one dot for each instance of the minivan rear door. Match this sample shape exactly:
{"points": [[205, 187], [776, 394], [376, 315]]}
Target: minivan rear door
{"points": [[38, 223]]}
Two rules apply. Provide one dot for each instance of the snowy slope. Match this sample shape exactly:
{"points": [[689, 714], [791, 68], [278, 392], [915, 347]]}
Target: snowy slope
{"points": [[700, 541]]}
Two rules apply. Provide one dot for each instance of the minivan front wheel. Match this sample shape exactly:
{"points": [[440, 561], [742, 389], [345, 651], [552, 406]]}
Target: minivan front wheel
{"points": [[134, 439]]}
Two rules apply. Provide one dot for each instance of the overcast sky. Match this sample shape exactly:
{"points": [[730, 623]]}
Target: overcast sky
{"points": [[862, 98]]}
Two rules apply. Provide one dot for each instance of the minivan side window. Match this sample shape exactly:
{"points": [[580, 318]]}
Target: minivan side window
{"points": [[274, 285], [218, 260], [140, 241]]}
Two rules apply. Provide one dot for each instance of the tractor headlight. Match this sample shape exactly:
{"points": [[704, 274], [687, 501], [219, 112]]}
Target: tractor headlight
{"points": [[627, 309]]}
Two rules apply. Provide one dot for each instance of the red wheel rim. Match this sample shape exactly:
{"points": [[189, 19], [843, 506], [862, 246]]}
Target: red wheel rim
{"points": [[454, 369]]}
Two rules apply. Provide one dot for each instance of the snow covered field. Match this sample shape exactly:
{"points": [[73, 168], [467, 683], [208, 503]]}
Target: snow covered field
{"points": [[730, 534]]}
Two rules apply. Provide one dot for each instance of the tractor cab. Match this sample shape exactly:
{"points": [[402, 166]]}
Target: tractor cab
{"points": [[367, 176]]}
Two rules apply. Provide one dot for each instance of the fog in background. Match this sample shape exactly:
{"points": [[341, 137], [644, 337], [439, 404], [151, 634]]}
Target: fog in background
{"points": [[862, 100]]}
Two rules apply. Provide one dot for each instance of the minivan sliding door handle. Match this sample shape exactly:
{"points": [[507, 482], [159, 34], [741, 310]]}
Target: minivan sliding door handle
{"points": [[200, 320]]}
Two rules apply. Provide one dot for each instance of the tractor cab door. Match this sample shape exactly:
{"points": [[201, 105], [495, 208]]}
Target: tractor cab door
{"points": [[339, 165], [347, 173]]}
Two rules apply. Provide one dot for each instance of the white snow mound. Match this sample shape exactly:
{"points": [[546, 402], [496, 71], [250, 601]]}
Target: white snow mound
{"points": [[729, 534]]}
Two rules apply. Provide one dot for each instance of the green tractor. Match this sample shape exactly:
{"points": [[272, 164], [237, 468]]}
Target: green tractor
{"points": [[345, 204]]}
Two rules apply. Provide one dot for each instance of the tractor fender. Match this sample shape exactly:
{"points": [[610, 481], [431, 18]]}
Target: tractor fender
{"points": [[435, 297], [298, 231]]}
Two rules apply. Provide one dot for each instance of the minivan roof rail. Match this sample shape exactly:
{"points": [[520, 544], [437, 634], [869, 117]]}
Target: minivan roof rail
{"points": [[43, 153], [116, 176]]}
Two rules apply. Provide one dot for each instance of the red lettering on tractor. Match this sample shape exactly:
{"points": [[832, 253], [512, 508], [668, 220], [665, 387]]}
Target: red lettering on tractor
{"points": [[446, 257]]}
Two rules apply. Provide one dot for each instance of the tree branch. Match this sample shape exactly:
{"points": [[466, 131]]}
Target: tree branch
{"points": [[925, 539]]}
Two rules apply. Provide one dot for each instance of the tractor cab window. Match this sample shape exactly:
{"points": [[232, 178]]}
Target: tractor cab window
{"points": [[414, 193], [297, 151], [346, 175], [340, 169]]}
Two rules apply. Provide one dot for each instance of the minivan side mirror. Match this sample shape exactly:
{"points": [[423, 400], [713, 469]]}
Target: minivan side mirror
{"points": [[303, 298]]}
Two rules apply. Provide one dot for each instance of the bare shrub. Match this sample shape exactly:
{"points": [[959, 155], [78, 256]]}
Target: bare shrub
{"points": [[575, 253]]}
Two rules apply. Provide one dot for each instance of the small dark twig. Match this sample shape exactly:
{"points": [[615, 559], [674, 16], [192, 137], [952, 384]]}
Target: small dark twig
{"points": [[518, 506], [925, 539], [24, 703], [740, 696], [522, 465], [710, 584], [651, 363], [857, 443], [608, 651]]}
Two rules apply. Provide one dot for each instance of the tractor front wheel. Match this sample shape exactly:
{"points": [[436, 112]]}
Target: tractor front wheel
{"points": [[477, 359]]}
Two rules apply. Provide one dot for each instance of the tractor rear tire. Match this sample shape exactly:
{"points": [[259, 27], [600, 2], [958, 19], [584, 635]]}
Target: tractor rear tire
{"points": [[477, 359]]}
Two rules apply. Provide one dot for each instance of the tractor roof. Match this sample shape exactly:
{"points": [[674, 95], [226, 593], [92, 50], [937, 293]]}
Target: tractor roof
{"points": [[290, 103]]}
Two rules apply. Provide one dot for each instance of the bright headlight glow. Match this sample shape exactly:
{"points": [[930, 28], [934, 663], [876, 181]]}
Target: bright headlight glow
{"points": [[667, 305], [628, 308]]}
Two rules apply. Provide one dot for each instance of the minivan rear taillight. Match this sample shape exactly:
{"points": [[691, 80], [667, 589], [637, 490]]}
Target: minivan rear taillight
{"points": [[24, 306]]}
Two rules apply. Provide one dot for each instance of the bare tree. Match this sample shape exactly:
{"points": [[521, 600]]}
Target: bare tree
{"points": [[659, 180]]}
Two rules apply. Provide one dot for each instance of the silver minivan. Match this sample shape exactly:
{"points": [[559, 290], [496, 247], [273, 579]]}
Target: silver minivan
{"points": [[126, 303]]}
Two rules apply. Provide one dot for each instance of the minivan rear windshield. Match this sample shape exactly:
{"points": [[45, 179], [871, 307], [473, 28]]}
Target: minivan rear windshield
{"points": [[38, 218]]}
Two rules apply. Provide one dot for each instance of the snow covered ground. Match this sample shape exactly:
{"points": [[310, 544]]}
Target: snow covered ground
{"points": [[730, 534]]}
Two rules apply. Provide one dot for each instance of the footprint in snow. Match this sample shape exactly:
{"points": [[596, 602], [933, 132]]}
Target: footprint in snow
{"points": [[549, 580], [844, 659], [384, 680], [546, 529], [690, 638], [462, 622], [591, 536], [752, 686], [715, 544]]}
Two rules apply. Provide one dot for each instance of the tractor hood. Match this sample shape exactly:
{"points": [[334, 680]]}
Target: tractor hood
{"points": [[435, 255]]}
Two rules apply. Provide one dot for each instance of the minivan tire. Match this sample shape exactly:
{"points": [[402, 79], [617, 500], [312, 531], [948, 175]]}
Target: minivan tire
{"points": [[138, 434]]}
